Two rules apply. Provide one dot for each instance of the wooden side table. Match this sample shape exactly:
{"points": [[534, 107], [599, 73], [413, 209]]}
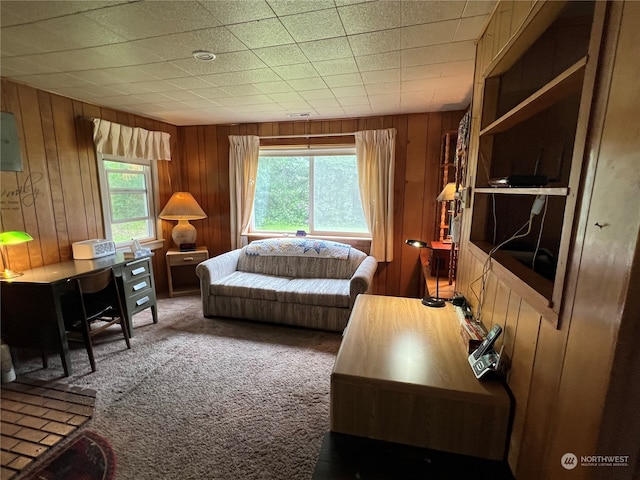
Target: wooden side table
{"points": [[181, 270]]}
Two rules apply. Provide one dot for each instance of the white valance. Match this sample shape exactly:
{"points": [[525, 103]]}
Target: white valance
{"points": [[133, 142]]}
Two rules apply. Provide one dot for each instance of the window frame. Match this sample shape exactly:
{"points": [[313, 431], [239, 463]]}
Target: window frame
{"points": [[307, 151], [152, 191]]}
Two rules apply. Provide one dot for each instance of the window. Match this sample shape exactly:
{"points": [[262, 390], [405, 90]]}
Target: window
{"points": [[315, 190], [128, 198]]}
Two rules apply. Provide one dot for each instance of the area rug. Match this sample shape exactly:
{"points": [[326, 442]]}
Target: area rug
{"points": [[88, 457], [198, 398]]}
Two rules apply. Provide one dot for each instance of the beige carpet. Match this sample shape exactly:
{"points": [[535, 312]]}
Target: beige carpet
{"points": [[197, 398]]}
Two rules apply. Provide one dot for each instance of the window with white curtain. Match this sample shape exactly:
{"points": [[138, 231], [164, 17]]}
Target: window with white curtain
{"points": [[311, 189], [128, 189]]}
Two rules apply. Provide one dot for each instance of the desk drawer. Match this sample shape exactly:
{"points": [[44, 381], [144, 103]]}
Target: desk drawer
{"points": [[187, 258], [135, 270], [142, 300], [137, 285]]}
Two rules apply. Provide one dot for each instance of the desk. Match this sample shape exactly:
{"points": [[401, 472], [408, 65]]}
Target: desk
{"points": [[402, 375], [31, 303]]}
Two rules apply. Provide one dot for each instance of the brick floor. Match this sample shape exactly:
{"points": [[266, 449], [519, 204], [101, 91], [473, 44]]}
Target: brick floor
{"points": [[35, 416]]}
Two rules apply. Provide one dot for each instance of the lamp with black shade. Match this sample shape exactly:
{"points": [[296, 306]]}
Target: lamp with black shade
{"points": [[428, 300]]}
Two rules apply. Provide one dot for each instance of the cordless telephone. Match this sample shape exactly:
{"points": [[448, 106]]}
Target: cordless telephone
{"points": [[485, 359]]}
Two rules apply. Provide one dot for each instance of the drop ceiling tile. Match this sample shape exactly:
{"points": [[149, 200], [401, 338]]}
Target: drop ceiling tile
{"points": [[26, 12], [241, 78], [181, 45], [200, 103], [295, 107], [162, 70], [48, 81], [314, 25], [130, 88], [383, 88], [379, 61], [381, 76], [281, 55], [152, 97], [416, 86], [357, 110], [225, 62], [336, 67], [287, 97], [279, 86], [160, 86], [187, 83], [122, 54], [464, 67], [345, 80], [294, 72], [240, 90], [424, 55], [461, 51], [329, 49], [388, 99], [330, 112], [110, 76], [353, 91], [33, 39], [469, 29], [167, 106], [429, 11], [319, 94], [83, 30], [367, 17], [138, 20], [376, 42], [245, 100], [76, 60], [261, 33], [292, 7], [182, 96], [211, 92], [233, 11], [91, 94], [422, 72], [479, 7], [303, 84], [324, 103], [25, 66], [428, 34]]}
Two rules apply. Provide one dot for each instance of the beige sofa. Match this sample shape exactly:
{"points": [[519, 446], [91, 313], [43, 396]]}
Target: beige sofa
{"points": [[290, 280]]}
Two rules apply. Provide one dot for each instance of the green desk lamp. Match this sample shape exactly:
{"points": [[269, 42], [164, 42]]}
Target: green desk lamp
{"points": [[11, 238]]}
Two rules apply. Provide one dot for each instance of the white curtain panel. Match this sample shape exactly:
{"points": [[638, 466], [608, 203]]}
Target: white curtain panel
{"points": [[132, 142], [243, 167], [375, 150]]}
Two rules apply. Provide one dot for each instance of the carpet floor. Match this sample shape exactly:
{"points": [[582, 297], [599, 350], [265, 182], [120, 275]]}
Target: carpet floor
{"points": [[199, 398]]}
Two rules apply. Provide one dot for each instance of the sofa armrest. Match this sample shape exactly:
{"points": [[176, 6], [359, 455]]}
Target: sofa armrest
{"points": [[362, 279], [216, 268]]}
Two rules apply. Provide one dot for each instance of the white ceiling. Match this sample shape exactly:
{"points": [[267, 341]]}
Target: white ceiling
{"points": [[325, 58]]}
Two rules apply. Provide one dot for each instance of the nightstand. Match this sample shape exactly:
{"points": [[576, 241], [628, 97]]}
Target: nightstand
{"points": [[181, 270]]}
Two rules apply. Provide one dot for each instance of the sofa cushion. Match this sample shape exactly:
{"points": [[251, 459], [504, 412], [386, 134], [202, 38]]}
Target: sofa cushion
{"points": [[248, 285], [327, 292]]}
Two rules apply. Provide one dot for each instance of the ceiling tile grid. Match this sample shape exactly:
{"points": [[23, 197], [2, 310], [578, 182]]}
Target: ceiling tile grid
{"points": [[324, 58]]}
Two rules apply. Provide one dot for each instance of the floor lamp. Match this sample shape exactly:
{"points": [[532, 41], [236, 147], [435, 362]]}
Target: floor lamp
{"points": [[430, 301]]}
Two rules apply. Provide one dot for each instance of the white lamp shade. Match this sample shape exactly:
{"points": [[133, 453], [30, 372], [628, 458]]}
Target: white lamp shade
{"points": [[182, 206], [448, 193]]}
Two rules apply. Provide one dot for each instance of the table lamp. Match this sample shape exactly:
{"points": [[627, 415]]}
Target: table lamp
{"points": [[430, 301], [11, 238], [183, 207]]}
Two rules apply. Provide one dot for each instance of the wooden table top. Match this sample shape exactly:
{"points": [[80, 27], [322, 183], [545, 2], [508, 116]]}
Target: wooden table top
{"points": [[399, 341]]}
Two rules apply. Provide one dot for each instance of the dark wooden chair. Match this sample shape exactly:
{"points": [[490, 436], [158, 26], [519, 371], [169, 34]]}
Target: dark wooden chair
{"points": [[95, 306]]}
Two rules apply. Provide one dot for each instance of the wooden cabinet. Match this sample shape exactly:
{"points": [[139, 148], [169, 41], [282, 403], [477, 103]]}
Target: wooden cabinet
{"points": [[536, 101], [138, 287], [181, 270]]}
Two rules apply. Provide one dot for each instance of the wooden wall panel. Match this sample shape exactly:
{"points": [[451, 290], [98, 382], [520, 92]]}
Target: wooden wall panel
{"points": [[418, 137], [56, 197]]}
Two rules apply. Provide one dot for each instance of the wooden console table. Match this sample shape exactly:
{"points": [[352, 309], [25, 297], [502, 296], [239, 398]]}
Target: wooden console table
{"points": [[402, 375]]}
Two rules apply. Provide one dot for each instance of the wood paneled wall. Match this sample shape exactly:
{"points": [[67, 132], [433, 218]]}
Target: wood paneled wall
{"points": [[205, 173], [57, 200], [574, 386]]}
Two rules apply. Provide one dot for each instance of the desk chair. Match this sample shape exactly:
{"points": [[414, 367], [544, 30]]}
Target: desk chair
{"points": [[97, 299]]}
